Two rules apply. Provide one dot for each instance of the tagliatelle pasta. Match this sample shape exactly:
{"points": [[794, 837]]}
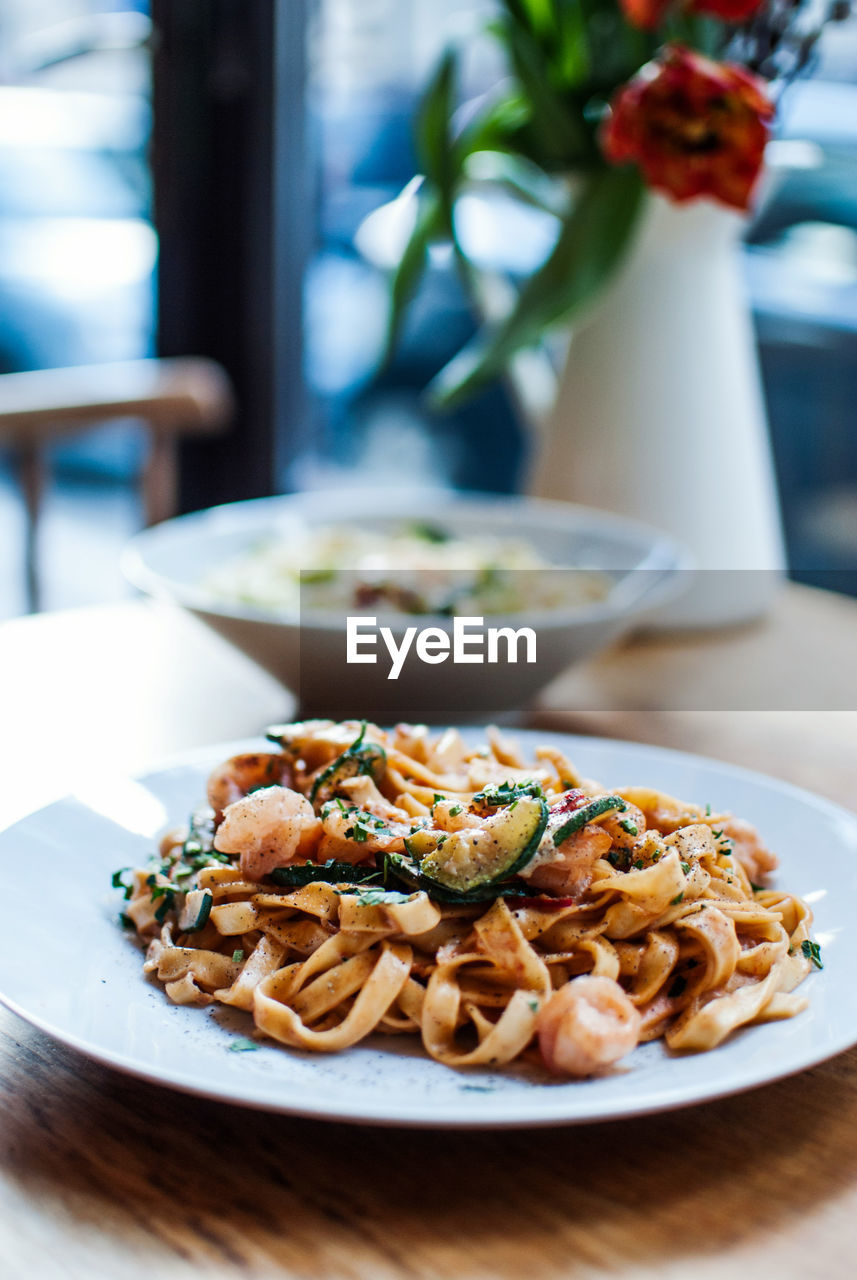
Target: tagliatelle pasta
{"points": [[356, 881]]}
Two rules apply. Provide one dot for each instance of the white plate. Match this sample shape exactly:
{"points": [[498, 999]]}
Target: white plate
{"points": [[69, 969]]}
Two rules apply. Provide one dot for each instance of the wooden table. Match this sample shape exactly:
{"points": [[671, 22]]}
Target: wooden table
{"points": [[106, 1177]]}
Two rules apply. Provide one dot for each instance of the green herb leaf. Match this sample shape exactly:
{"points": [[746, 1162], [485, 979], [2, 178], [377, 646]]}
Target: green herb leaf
{"points": [[118, 883], [812, 951], [165, 905], [370, 896], [428, 532], [242, 1045], [499, 795], [593, 240], [237, 956], [411, 267]]}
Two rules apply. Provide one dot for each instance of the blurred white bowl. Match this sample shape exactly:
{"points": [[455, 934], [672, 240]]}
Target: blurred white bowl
{"points": [[644, 566]]}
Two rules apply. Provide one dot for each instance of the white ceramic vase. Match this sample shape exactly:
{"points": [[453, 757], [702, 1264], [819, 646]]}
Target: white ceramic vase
{"points": [[659, 412]]}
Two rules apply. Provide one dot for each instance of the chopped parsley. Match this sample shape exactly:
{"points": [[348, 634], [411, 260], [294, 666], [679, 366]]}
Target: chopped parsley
{"points": [[363, 825], [118, 883], [237, 956], [126, 921], [242, 1045], [630, 828], [498, 795], [685, 866], [438, 799], [638, 864], [812, 951], [370, 896], [429, 532], [534, 1005], [166, 905], [676, 900], [455, 811]]}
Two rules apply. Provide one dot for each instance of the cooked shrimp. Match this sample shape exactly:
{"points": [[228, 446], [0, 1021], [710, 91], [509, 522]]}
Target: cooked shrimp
{"points": [[567, 870], [754, 857], [587, 1024], [268, 828], [242, 774]]}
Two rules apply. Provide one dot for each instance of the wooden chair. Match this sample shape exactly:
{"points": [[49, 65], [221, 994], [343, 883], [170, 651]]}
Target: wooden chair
{"points": [[173, 398]]}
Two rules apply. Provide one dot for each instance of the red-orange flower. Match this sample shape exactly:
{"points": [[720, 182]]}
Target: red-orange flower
{"points": [[694, 127], [647, 14], [727, 10]]}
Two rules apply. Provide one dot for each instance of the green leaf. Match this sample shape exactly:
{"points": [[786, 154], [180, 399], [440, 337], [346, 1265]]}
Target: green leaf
{"points": [[411, 268], [441, 162], [591, 245], [435, 147], [537, 16], [573, 56], [559, 131]]}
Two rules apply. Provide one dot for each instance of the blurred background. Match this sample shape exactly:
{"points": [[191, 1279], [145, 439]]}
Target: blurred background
{"points": [[193, 178]]}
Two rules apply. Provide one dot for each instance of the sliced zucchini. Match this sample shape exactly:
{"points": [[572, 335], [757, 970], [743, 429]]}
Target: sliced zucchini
{"points": [[361, 758], [597, 808], [399, 869], [300, 874], [421, 842], [196, 910], [485, 855]]}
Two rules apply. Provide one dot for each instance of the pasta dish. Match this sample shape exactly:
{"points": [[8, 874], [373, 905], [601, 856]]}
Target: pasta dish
{"points": [[411, 569], [354, 881]]}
